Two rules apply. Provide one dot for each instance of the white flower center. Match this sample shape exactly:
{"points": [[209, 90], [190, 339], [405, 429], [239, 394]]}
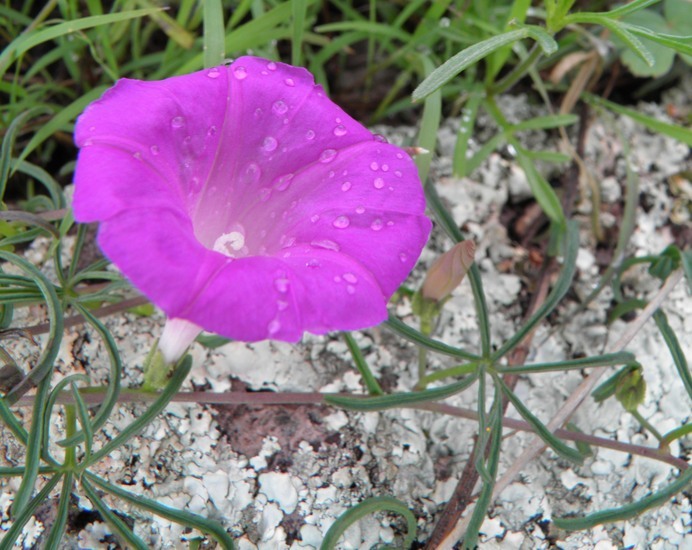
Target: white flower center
{"points": [[231, 244]]}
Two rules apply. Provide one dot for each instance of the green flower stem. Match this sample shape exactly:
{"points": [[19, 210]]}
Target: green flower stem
{"points": [[517, 73], [646, 424]]}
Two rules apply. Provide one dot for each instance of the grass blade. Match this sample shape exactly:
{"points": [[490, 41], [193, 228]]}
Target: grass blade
{"points": [[365, 508], [412, 335], [299, 12], [675, 350], [607, 360], [214, 33], [370, 381]]}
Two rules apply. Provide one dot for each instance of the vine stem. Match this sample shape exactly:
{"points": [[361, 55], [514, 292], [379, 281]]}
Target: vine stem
{"points": [[582, 391]]}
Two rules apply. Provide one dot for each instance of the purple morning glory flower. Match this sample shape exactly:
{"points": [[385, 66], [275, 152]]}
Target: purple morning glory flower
{"points": [[242, 200]]}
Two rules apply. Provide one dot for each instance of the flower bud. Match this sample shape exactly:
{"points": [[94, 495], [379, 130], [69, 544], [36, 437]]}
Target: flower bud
{"points": [[176, 337], [447, 272]]}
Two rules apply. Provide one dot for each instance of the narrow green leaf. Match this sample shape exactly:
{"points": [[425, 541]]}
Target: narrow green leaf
{"points": [[630, 7], [395, 400], [369, 379], [25, 42], [675, 350], [541, 430], [540, 188], [181, 517], [177, 378], [569, 267], [464, 59], [299, 15], [468, 121], [214, 33], [120, 528], [376, 29], [430, 122], [630, 510], [681, 44], [365, 508], [607, 360], [25, 513], [658, 126], [8, 146], [84, 420], [57, 530], [545, 122], [412, 335]]}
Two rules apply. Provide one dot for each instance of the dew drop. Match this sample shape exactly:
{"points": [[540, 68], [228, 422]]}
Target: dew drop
{"points": [[284, 182], [178, 121], [282, 305], [211, 131], [385, 167], [342, 222], [380, 138], [397, 173], [273, 327], [350, 278], [340, 130], [312, 263], [92, 128], [154, 150], [337, 279], [390, 223], [350, 289], [269, 144], [290, 82], [399, 156], [271, 66], [281, 285], [403, 256], [252, 173], [314, 218], [87, 142], [360, 210], [194, 184], [240, 73], [214, 73], [326, 244], [376, 225], [328, 155], [137, 155], [280, 107], [374, 166], [310, 135], [378, 183], [346, 186]]}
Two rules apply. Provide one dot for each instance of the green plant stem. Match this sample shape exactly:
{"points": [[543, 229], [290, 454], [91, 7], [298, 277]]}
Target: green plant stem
{"points": [[646, 424], [517, 73]]}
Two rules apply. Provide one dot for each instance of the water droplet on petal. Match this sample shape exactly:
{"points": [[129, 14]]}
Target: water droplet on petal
{"points": [[326, 244], [273, 327], [342, 222], [346, 186], [403, 256], [314, 218], [312, 263], [178, 121], [399, 156], [281, 285], [337, 279], [240, 73], [360, 210], [290, 82], [380, 138], [376, 225], [280, 107], [340, 130], [328, 155], [397, 173], [87, 142], [284, 182], [282, 305], [214, 73], [154, 150], [269, 144], [390, 223], [211, 131], [378, 183], [194, 184], [252, 173], [137, 155], [385, 167], [350, 278], [271, 66], [350, 289], [310, 135], [374, 166]]}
